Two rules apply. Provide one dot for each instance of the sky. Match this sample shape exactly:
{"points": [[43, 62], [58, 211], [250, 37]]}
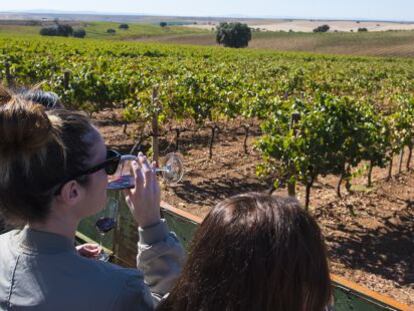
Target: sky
{"points": [[400, 10]]}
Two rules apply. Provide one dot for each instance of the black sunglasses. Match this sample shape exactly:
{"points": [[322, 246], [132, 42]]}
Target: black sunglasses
{"points": [[110, 165]]}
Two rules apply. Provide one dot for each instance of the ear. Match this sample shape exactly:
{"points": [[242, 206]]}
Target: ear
{"points": [[71, 193]]}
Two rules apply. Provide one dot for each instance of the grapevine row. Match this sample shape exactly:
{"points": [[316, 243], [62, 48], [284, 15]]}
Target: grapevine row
{"points": [[320, 114]]}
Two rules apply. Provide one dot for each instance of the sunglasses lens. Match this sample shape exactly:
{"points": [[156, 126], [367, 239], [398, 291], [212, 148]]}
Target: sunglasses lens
{"points": [[111, 154], [113, 162], [111, 167]]}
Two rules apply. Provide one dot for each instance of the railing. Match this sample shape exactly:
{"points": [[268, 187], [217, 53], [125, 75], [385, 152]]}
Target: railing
{"points": [[347, 295]]}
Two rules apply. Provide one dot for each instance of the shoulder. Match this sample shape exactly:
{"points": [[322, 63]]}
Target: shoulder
{"points": [[105, 270], [8, 236], [131, 289], [117, 285], [7, 245]]}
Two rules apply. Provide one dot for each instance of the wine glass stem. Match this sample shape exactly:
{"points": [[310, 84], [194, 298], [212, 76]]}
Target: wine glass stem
{"points": [[162, 169], [101, 235]]}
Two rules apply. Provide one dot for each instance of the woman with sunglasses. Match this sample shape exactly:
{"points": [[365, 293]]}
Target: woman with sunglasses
{"points": [[53, 173]]}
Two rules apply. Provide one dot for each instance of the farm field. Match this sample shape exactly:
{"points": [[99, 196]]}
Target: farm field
{"points": [[301, 25], [387, 44], [383, 44], [314, 119], [98, 30]]}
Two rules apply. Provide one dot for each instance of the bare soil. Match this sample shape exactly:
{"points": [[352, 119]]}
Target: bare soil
{"points": [[310, 25], [369, 233]]}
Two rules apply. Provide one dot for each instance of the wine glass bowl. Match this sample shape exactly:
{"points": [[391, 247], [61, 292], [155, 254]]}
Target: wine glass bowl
{"points": [[172, 171], [173, 168], [123, 178], [105, 222]]}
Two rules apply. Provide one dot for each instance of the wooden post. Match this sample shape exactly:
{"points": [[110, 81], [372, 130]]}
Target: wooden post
{"points": [[348, 178], [401, 160], [213, 134], [370, 174], [338, 186], [292, 184], [410, 154], [341, 178], [390, 167], [155, 127], [177, 138], [309, 185], [66, 79], [246, 136], [8, 76]]}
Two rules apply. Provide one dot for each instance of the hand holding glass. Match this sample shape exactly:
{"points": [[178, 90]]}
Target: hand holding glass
{"points": [[172, 171]]}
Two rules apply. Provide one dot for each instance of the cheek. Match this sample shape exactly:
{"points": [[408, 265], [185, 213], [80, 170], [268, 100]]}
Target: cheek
{"points": [[104, 180], [100, 185], [104, 185], [99, 195]]}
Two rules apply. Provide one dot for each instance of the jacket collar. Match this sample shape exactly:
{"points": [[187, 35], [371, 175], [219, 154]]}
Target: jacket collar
{"points": [[35, 241]]}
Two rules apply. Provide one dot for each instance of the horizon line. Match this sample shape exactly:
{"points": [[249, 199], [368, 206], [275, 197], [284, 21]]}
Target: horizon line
{"points": [[235, 16]]}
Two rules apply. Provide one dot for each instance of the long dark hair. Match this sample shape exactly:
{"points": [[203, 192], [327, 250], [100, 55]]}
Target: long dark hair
{"points": [[254, 252]]}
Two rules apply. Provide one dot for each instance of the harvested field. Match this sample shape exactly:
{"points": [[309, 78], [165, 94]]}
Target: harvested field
{"points": [[388, 44]]}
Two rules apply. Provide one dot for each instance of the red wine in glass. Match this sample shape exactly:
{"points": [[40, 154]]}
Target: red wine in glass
{"points": [[105, 224], [122, 182], [106, 221]]}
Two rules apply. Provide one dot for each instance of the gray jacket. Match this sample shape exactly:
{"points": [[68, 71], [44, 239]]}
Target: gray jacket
{"points": [[42, 271]]}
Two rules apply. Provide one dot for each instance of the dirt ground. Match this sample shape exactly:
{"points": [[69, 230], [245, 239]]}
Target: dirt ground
{"points": [[309, 25], [370, 233]]}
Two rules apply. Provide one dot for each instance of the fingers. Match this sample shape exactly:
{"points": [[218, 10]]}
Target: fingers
{"points": [[139, 177], [89, 250], [144, 162], [146, 168]]}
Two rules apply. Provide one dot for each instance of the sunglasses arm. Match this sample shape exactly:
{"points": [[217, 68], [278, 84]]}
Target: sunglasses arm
{"points": [[128, 157]]}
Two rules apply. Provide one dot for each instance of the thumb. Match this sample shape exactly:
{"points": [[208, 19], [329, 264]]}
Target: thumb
{"points": [[135, 168]]}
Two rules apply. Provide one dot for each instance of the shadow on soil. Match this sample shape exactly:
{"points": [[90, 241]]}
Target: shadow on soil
{"points": [[212, 191], [387, 250]]}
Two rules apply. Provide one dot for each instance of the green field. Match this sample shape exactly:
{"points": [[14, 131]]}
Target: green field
{"points": [[98, 30], [390, 43]]}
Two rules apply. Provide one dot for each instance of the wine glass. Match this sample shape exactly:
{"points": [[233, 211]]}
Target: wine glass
{"points": [[172, 171], [106, 222]]}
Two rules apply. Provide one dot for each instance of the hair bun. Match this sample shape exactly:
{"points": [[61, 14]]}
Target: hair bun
{"points": [[24, 127]]}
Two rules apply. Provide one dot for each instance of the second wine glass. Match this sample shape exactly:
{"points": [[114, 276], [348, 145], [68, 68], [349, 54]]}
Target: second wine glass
{"points": [[106, 221]]}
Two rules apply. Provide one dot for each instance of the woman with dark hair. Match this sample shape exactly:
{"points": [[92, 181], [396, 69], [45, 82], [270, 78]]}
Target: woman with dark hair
{"points": [[53, 173], [254, 252], [49, 100]]}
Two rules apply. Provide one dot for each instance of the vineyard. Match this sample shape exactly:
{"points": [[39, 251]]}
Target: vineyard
{"points": [[319, 115], [312, 117]]}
